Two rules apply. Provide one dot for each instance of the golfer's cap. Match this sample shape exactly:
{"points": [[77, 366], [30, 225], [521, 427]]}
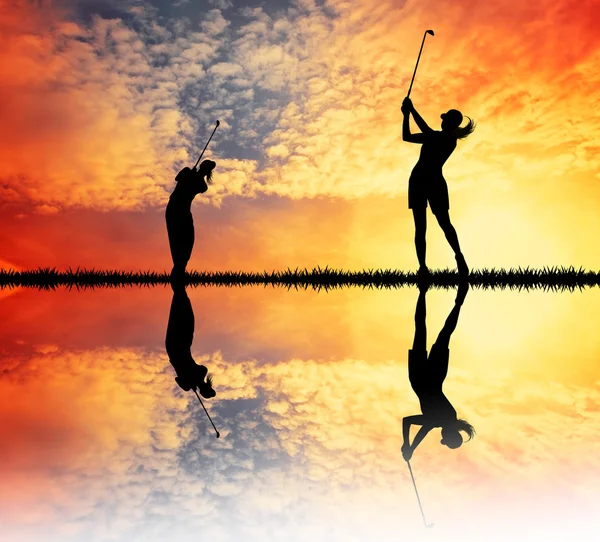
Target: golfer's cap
{"points": [[453, 116], [206, 391], [208, 164]]}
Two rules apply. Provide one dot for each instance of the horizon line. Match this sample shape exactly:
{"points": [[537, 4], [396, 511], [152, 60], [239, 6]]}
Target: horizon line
{"points": [[547, 278]]}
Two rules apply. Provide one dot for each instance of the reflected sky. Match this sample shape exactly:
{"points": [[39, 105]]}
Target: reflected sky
{"points": [[97, 441]]}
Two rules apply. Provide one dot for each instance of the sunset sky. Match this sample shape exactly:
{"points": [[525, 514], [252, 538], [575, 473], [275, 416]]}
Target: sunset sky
{"points": [[103, 102]]}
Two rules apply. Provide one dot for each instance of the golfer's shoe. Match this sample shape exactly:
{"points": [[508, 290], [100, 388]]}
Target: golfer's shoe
{"points": [[178, 276], [424, 273], [463, 269]]}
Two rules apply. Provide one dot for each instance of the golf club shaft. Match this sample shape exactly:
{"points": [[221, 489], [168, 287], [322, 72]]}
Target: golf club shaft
{"points": [[417, 493], [205, 146], [218, 435], [416, 66]]}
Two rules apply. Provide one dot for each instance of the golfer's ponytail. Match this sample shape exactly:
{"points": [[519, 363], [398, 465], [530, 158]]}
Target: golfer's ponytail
{"points": [[207, 166], [463, 132], [464, 425]]}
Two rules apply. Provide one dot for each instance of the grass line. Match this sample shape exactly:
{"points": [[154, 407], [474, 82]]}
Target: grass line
{"points": [[547, 278]]}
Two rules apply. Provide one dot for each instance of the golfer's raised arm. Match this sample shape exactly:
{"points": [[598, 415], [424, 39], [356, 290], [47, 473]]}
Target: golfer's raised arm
{"points": [[420, 122], [420, 436], [407, 422], [406, 135]]}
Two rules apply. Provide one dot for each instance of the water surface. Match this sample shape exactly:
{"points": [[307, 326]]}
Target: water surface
{"points": [[97, 442]]}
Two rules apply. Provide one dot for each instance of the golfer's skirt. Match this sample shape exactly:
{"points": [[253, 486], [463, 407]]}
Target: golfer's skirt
{"points": [[423, 189], [180, 229], [427, 373]]}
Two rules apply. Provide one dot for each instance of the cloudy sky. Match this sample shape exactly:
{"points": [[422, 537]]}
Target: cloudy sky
{"points": [[103, 102]]}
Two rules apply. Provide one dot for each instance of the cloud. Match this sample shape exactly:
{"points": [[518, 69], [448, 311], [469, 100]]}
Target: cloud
{"points": [[221, 4], [214, 23], [108, 129], [119, 449], [349, 125]]}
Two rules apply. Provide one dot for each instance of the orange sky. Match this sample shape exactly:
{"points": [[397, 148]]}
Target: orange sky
{"points": [[92, 123], [102, 103]]}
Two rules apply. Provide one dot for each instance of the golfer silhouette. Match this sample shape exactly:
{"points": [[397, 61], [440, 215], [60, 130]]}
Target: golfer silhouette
{"points": [[178, 342], [178, 215], [427, 182], [427, 375]]}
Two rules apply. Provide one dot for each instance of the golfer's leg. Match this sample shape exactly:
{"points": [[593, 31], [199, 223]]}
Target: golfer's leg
{"points": [[443, 339], [420, 339], [443, 219], [190, 243], [171, 339], [182, 245], [420, 218], [172, 233], [439, 357], [180, 329]]}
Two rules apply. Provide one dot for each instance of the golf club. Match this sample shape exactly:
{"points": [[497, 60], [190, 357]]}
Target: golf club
{"points": [[217, 125], [428, 525], [218, 435], [420, 50]]}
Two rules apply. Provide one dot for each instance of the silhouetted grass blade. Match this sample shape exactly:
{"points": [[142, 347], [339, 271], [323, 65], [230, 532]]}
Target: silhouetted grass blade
{"points": [[547, 278]]}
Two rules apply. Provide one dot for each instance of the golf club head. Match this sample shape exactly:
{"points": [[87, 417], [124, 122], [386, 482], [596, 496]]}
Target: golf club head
{"points": [[429, 525], [430, 32], [218, 123]]}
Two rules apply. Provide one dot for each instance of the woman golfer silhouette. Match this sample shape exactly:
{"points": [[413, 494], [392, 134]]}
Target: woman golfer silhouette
{"points": [[180, 224], [427, 375], [178, 343], [427, 183]]}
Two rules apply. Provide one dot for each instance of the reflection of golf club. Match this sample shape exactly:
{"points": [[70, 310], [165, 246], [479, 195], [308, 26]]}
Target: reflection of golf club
{"points": [[415, 72], [206, 144], [218, 435], [421, 507]]}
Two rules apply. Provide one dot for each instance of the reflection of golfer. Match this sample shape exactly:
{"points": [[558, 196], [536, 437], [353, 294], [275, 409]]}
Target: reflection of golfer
{"points": [[427, 375], [180, 224], [178, 342], [427, 182]]}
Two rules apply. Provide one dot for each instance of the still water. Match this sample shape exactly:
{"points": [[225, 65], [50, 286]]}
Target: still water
{"points": [[97, 441]]}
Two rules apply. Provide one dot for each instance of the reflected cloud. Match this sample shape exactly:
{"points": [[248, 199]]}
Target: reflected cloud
{"points": [[101, 444]]}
